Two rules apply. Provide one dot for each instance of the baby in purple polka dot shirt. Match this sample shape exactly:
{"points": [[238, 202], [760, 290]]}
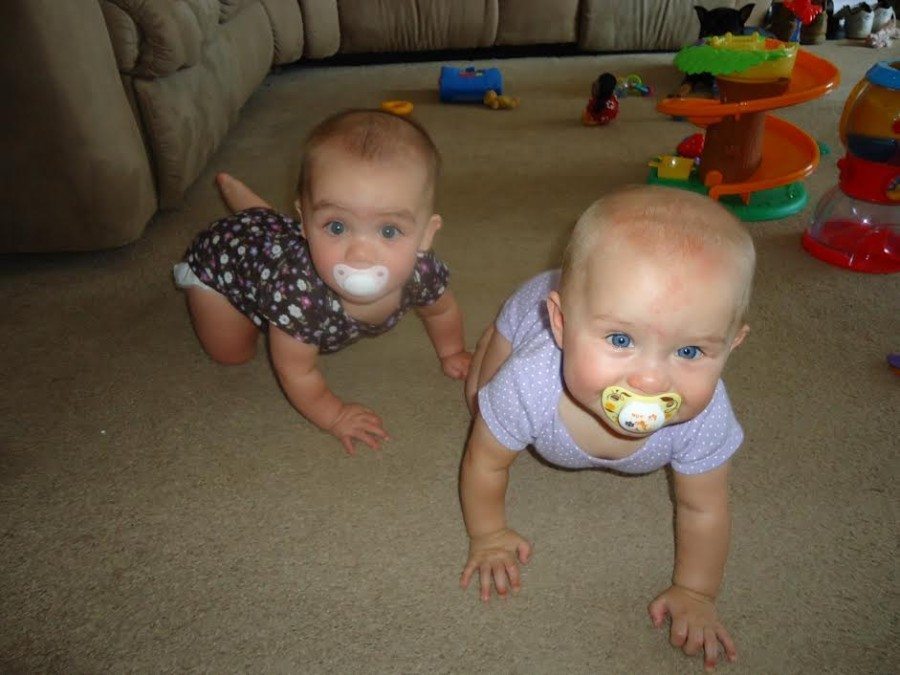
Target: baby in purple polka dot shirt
{"points": [[354, 263], [614, 361]]}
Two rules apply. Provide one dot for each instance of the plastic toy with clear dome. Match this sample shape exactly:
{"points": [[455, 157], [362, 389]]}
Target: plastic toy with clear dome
{"points": [[856, 224]]}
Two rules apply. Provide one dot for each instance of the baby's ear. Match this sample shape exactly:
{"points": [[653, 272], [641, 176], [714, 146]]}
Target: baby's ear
{"points": [[740, 336], [554, 309], [299, 209], [434, 224]]}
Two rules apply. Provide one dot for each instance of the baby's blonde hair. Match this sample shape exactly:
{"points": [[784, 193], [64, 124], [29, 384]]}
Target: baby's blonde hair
{"points": [[664, 222], [374, 135]]}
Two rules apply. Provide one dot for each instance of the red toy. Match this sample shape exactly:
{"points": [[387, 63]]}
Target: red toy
{"points": [[692, 146], [603, 106], [805, 10], [857, 223]]}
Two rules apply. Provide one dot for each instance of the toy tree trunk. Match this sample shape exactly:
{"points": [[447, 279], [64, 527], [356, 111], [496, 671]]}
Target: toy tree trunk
{"points": [[733, 147]]}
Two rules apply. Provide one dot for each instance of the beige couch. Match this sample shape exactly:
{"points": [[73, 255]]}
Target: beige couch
{"points": [[117, 105]]}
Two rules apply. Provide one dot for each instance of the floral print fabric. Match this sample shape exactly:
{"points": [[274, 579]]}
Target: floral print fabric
{"points": [[260, 261]]}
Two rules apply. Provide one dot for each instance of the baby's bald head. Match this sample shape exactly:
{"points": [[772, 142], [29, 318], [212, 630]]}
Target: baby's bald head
{"points": [[374, 136], [665, 225]]}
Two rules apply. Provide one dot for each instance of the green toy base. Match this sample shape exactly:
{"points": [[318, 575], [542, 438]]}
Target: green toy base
{"points": [[769, 204]]}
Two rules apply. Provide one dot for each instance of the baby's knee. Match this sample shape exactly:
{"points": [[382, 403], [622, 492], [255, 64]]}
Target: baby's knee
{"points": [[236, 356], [227, 336]]}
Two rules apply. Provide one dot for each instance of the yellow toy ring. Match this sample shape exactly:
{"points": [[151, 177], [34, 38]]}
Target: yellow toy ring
{"points": [[401, 108]]}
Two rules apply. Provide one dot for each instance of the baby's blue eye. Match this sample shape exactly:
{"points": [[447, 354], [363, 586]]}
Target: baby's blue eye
{"points": [[619, 340], [335, 227], [389, 231], [689, 352]]}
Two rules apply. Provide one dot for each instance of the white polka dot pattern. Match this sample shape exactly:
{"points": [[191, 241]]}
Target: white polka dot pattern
{"points": [[521, 403]]}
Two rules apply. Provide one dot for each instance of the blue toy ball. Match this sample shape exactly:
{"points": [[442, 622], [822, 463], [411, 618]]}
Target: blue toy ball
{"points": [[468, 85]]}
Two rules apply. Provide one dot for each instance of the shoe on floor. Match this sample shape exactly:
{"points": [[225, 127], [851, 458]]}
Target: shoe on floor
{"points": [[859, 22], [884, 14]]}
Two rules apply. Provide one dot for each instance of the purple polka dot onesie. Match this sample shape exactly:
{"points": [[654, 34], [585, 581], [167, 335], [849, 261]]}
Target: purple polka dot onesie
{"points": [[521, 403], [260, 261]]}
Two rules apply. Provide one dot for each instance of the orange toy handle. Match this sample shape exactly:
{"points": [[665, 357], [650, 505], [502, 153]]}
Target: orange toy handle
{"points": [[401, 108]]}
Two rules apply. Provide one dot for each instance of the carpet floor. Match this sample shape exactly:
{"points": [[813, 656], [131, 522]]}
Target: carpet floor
{"points": [[161, 513]]}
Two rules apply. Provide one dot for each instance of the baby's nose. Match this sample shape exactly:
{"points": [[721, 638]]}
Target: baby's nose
{"points": [[650, 379], [359, 251]]}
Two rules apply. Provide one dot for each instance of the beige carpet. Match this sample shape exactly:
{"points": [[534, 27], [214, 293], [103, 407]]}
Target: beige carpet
{"points": [[161, 513]]}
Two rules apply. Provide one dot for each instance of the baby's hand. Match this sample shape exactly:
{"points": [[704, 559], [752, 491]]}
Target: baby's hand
{"points": [[695, 624], [495, 556], [357, 423], [457, 365]]}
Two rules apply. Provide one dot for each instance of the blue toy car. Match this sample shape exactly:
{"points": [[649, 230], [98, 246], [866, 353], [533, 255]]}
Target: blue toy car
{"points": [[468, 85]]}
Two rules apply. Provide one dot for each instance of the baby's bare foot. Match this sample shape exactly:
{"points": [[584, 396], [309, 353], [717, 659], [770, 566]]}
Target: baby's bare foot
{"points": [[236, 195]]}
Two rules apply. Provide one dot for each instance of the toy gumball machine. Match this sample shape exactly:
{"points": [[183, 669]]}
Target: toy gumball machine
{"points": [[856, 224]]}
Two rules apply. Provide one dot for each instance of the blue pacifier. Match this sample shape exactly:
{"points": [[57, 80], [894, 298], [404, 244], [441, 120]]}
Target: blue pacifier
{"points": [[639, 414]]}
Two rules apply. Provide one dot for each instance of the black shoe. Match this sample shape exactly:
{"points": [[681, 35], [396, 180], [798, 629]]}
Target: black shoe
{"points": [[834, 29]]}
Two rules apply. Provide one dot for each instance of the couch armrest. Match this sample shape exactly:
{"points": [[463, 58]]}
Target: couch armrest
{"points": [[75, 174]]}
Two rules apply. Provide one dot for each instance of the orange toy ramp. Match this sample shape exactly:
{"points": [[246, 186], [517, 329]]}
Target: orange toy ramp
{"points": [[789, 154], [812, 77]]}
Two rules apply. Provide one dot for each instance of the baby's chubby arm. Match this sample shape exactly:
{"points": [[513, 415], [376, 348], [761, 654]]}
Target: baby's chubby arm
{"points": [[306, 389], [702, 535], [494, 549], [443, 323]]}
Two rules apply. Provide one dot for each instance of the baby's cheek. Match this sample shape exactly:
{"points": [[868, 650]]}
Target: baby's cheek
{"points": [[583, 377], [695, 399], [404, 266], [322, 257]]}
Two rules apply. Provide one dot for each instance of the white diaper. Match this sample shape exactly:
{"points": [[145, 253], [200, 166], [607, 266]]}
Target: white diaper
{"points": [[185, 277]]}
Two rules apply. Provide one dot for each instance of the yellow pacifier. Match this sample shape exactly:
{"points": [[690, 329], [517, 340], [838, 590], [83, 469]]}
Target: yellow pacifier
{"points": [[639, 414]]}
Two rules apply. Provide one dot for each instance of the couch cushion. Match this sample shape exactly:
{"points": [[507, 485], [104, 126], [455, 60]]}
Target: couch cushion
{"points": [[287, 30], [528, 22], [152, 38], [230, 8], [188, 113], [124, 35], [321, 28], [304, 28], [416, 25], [637, 25]]}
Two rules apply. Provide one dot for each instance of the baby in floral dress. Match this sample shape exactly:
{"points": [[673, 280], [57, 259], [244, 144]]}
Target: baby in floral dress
{"points": [[357, 259]]}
